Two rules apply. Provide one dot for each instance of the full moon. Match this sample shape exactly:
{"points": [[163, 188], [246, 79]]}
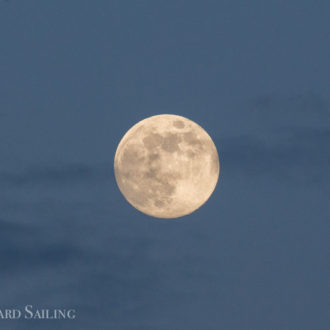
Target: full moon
{"points": [[166, 166]]}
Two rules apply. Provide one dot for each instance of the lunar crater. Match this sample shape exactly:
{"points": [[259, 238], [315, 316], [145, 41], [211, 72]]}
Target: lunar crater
{"points": [[178, 124]]}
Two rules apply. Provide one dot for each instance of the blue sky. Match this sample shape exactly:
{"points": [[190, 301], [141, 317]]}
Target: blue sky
{"points": [[76, 75]]}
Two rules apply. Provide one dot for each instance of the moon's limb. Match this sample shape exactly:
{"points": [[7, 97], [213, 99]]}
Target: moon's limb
{"points": [[166, 166]]}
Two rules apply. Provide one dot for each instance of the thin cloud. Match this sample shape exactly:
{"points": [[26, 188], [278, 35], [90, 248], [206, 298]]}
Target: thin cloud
{"points": [[307, 109], [302, 154], [52, 174]]}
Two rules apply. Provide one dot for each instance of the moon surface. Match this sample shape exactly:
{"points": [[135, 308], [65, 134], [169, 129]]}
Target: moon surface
{"points": [[166, 166]]}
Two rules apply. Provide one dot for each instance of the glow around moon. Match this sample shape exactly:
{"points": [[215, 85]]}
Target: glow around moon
{"points": [[166, 166]]}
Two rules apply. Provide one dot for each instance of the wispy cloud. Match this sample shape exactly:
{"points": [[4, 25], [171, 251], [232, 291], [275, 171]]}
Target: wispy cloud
{"points": [[290, 140], [61, 174], [276, 111], [22, 246]]}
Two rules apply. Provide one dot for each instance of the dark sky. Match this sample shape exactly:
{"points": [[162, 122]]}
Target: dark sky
{"points": [[76, 75]]}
